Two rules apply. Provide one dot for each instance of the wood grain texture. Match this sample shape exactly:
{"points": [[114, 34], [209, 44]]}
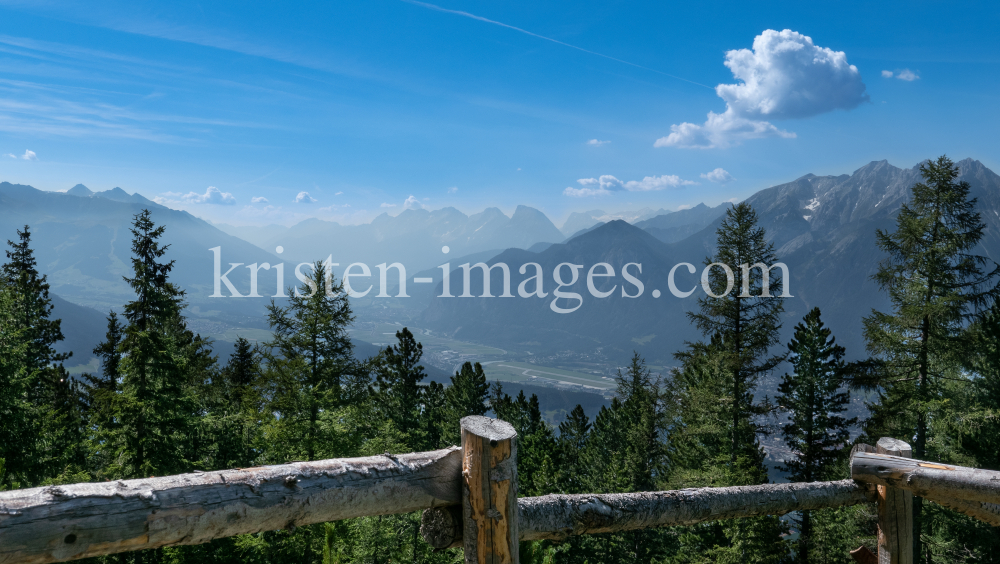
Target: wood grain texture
{"points": [[895, 511], [557, 517], [489, 491], [928, 479], [59, 523]]}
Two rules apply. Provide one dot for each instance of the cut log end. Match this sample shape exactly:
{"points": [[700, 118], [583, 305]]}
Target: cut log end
{"points": [[441, 527], [489, 429]]}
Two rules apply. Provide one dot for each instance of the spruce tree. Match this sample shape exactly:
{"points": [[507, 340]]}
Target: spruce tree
{"points": [[153, 408], [15, 411], [52, 405], [741, 322], [467, 395], [746, 318], [574, 433], [236, 405], [101, 392], [814, 397], [397, 379], [936, 286], [308, 362]]}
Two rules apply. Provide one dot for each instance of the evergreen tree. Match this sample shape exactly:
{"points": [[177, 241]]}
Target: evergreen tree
{"points": [[574, 433], [714, 389], [308, 362], [153, 407], [400, 395], [236, 408], [101, 392], [936, 286], [746, 317], [15, 411], [467, 395], [814, 398]]}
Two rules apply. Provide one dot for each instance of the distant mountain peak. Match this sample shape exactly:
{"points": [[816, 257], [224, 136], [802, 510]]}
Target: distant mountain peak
{"points": [[80, 190]]}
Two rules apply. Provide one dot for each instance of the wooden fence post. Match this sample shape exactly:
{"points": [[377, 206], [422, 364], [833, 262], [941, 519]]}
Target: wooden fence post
{"points": [[895, 512], [489, 491]]}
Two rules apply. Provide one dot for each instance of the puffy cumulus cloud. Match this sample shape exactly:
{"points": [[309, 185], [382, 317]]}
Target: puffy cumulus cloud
{"points": [[258, 200], [27, 156], [719, 131], [905, 74], [211, 196], [412, 203], [784, 76], [719, 175], [304, 198], [597, 142], [606, 184]]}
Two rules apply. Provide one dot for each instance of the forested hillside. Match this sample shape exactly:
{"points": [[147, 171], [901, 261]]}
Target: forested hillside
{"points": [[163, 403]]}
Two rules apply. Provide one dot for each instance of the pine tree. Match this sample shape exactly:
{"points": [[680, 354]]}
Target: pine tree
{"points": [[714, 390], [15, 411], [814, 397], [574, 433], [936, 286], [746, 318], [397, 379], [154, 405], [52, 400], [308, 362], [467, 395], [236, 407], [101, 393]]}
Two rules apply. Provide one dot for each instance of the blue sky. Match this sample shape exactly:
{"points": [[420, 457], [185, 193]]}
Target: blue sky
{"points": [[563, 106]]}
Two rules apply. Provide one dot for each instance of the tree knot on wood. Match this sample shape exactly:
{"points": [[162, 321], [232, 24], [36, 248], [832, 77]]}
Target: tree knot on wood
{"points": [[57, 492], [492, 513], [291, 481]]}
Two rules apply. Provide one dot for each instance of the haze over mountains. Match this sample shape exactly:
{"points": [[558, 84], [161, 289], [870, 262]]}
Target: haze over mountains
{"points": [[822, 227]]}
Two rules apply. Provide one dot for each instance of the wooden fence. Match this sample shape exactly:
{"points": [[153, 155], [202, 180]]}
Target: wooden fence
{"points": [[469, 498]]}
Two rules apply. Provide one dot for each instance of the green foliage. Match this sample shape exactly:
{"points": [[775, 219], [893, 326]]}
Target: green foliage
{"points": [[936, 286], [813, 397], [309, 371]]}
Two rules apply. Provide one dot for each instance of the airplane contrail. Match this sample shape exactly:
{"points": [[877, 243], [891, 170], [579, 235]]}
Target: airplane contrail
{"points": [[526, 32]]}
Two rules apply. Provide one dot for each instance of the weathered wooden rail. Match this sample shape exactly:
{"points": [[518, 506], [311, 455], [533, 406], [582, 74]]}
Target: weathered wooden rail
{"points": [[469, 498]]}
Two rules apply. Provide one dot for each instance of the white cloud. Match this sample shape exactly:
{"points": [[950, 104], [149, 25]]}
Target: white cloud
{"points": [[386, 205], [304, 198], [412, 203], [683, 207], [454, 189], [905, 74], [606, 184], [597, 142], [338, 193], [27, 156], [11, 155], [719, 175], [258, 200], [211, 196], [784, 76]]}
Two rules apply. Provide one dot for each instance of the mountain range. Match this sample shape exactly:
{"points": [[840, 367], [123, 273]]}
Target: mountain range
{"points": [[822, 227]]}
